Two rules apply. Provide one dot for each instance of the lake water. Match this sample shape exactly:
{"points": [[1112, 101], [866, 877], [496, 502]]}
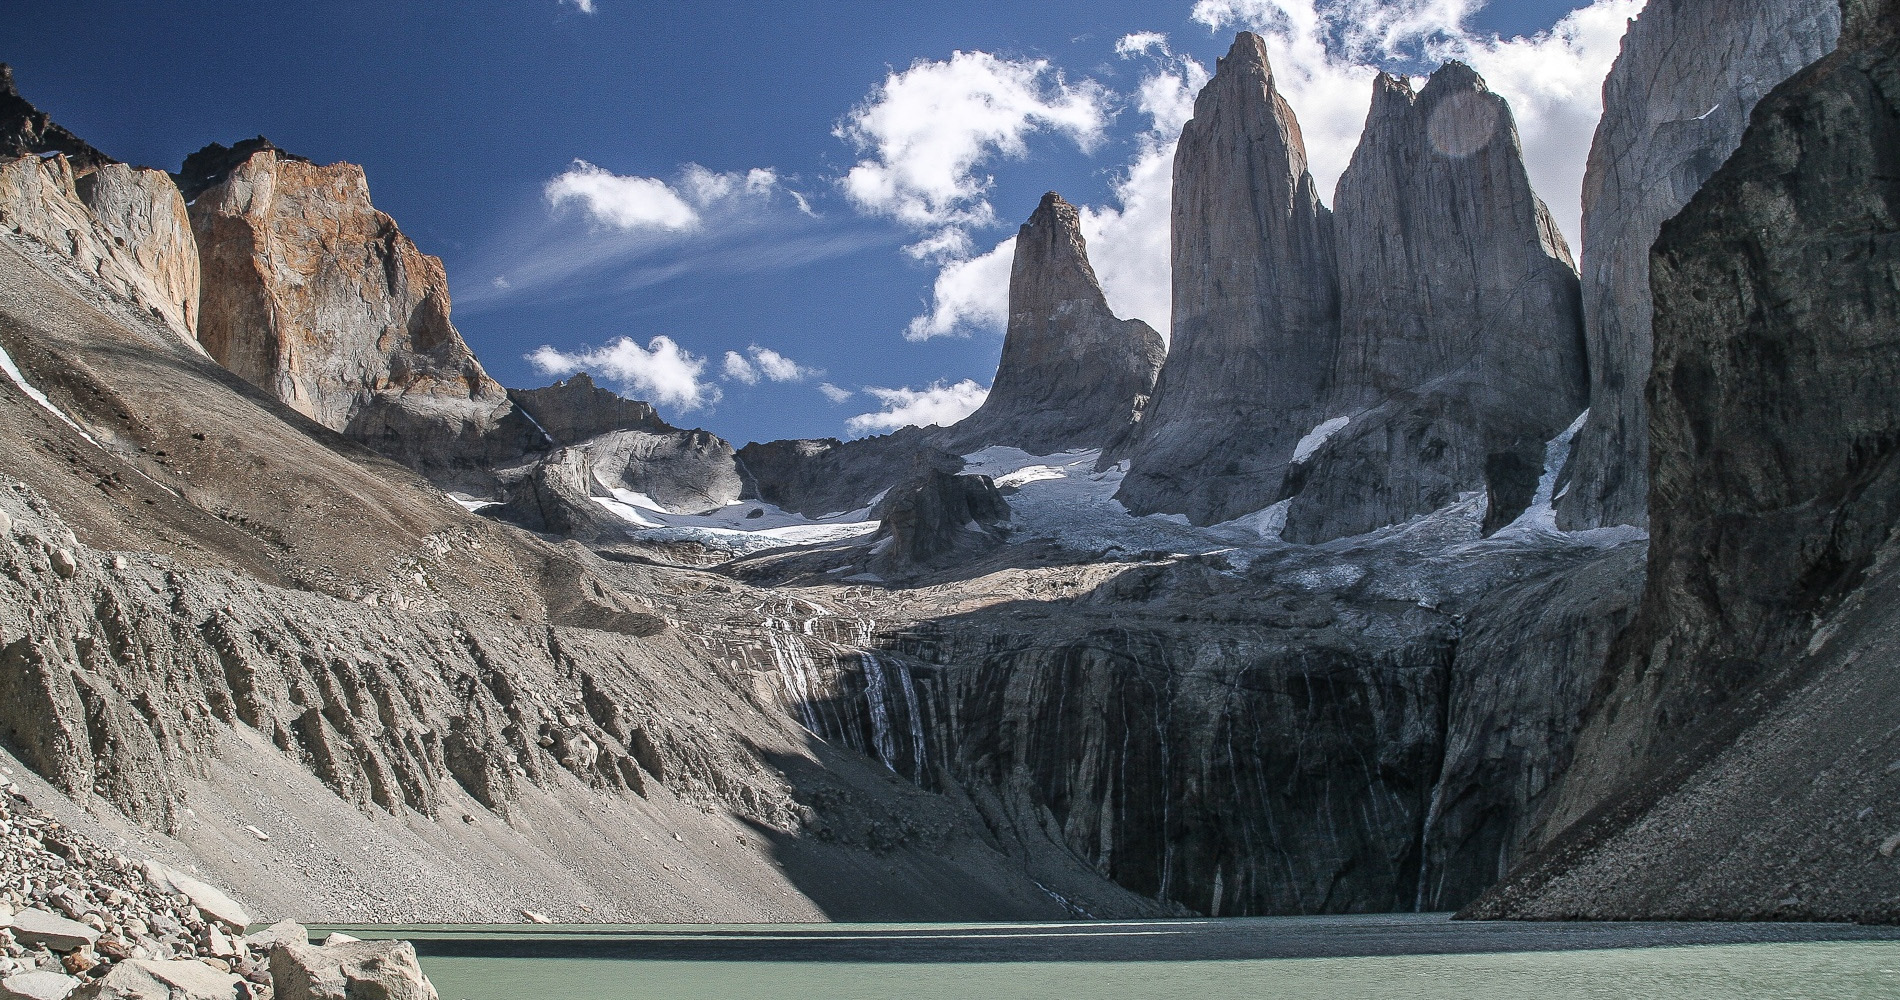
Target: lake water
{"points": [[1409, 957]]}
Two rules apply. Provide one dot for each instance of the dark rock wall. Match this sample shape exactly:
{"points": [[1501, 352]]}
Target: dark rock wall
{"points": [[1775, 429], [1674, 107]]}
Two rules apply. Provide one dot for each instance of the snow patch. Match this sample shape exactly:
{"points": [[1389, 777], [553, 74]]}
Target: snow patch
{"points": [[1316, 438], [733, 527], [19, 379]]}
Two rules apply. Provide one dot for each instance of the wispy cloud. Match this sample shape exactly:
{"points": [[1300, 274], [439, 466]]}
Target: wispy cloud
{"points": [[635, 203], [833, 393], [585, 6], [937, 405], [662, 372]]}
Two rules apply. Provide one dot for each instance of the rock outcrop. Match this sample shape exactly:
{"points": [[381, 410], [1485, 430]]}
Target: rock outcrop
{"points": [[574, 410], [1737, 761], [313, 295], [1674, 107], [817, 477], [1461, 345], [1072, 376], [938, 515], [27, 131], [1256, 306], [126, 227]]}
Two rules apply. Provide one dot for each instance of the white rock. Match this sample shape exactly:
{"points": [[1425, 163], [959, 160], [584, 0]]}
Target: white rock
{"points": [[31, 927], [281, 932], [337, 938], [37, 986], [6, 524], [64, 564], [259, 834], [212, 902], [536, 918]]}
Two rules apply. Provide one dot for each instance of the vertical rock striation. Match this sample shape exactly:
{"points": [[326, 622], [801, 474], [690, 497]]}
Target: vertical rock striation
{"points": [[1674, 107], [1774, 418], [1461, 344], [1072, 375], [312, 294], [1256, 305]]}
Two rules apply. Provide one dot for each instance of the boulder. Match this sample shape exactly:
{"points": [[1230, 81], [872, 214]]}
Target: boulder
{"points": [[1072, 376], [213, 902], [1256, 306], [386, 970], [37, 986], [35, 926], [937, 515], [141, 979], [281, 932]]}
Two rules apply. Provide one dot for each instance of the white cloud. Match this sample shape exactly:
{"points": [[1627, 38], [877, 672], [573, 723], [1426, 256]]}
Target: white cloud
{"points": [[765, 363], [739, 369], [927, 131], [662, 373], [970, 296], [586, 6], [621, 202], [938, 405], [1128, 242], [835, 394], [648, 203], [1325, 52]]}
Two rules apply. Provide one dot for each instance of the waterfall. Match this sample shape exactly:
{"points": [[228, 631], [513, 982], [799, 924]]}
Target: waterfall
{"points": [[916, 710], [877, 698], [794, 668]]}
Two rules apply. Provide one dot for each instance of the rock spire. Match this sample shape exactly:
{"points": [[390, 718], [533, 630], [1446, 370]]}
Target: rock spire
{"points": [[1072, 375], [1256, 305], [1461, 344]]}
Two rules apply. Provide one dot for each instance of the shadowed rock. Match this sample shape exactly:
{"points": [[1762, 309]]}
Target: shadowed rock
{"points": [[1674, 107], [1072, 375], [1256, 306], [1461, 344], [27, 131]]}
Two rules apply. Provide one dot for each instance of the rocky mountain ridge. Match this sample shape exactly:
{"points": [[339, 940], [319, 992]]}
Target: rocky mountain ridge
{"points": [[895, 678]]}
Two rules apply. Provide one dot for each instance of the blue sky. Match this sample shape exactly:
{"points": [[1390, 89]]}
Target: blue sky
{"points": [[467, 117]]}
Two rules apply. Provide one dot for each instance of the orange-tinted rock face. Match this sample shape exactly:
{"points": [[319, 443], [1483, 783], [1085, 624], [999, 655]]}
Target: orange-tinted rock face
{"points": [[317, 297]]}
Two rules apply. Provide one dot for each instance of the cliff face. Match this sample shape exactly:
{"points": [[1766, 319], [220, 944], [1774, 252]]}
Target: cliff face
{"points": [[1758, 668], [1072, 375], [1256, 306], [313, 295], [1674, 107], [572, 411], [1461, 350], [126, 227]]}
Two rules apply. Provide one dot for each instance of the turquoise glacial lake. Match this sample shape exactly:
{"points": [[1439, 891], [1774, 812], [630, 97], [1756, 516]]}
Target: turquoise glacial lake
{"points": [[1403, 957]]}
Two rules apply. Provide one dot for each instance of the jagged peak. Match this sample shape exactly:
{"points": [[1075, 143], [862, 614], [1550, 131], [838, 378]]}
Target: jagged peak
{"points": [[7, 88], [25, 130], [1249, 51], [209, 166], [1455, 76]]}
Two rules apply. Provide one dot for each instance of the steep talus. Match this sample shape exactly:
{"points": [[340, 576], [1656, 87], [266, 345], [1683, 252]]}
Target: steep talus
{"points": [[312, 294], [1461, 340], [1674, 107], [217, 613], [1256, 306], [1736, 762], [1072, 376]]}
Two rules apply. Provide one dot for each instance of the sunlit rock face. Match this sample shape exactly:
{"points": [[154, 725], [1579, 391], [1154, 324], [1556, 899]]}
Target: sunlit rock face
{"points": [[313, 295], [1256, 305], [1072, 376], [1461, 343], [124, 227], [1674, 107]]}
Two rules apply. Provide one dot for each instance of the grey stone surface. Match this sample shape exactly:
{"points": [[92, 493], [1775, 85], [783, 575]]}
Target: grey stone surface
{"points": [[1461, 344], [937, 516], [1737, 760], [33, 926], [1256, 306], [576, 409], [1674, 107], [1072, 376], [37, 986], [386, 970], [821, 476]]}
